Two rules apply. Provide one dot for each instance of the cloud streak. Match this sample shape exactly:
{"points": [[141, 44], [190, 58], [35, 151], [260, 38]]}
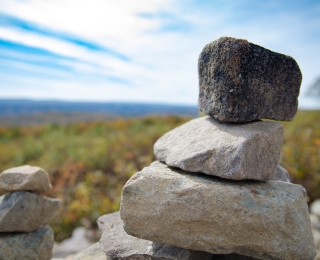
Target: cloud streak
{"points": [[139, 50]]}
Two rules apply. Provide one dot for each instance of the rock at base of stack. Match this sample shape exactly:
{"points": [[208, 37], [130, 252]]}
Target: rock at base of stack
{"points": [[264, 220], [117, 244], [240, 82], [230, 151], [27, 246]]}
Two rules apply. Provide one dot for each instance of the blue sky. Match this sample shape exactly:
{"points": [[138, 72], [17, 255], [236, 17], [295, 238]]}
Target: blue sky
{"points": [[142, 50]]}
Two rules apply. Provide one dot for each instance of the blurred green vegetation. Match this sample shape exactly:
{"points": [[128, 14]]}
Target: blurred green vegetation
{"points": [[89, 163]]}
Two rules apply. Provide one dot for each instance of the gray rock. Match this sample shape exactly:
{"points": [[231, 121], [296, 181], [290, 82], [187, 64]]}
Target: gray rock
{"points": [[27, 246], [94, 252], [240, 82], [315, 207], [264, 220], [27, 178], [23, 211], [231, 151], [119, 245], [281, 175]]}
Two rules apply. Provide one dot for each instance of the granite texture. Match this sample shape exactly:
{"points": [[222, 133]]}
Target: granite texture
{"points": [[240, 82], [118, 245], [231, 151], [27, 246], [263, 220]]}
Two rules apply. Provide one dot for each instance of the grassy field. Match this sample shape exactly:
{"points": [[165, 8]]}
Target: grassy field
{"points": [[89, 163]]}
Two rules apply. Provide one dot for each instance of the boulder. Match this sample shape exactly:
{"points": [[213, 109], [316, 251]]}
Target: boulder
{"points": [[94, 252], [231, 151], [240, 82], [27, 178], [27, 246], [119, 245], [263, 220], [23, 211], [281, 175]]}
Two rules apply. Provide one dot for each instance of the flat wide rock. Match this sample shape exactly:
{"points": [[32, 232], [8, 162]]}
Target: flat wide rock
{"points": [[263, 220], [240, 82], [231, 151], [119, 245], [27, 178], [23, 211], [27, 246]]}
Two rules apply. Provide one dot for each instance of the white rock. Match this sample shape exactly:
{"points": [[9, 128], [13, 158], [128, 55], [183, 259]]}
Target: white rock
{"points": [[231, 151]]}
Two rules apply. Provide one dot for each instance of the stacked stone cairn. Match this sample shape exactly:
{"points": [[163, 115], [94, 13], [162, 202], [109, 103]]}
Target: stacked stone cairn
{"points": [[217, 191], [24, 214]]}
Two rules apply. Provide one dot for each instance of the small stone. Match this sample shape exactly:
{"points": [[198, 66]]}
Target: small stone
{"points": [[265, 84], [315, 207], [27, 246], [27, 178], [281, 175], [263, 220], [231, 151], [94, 252], [23, 211], [119, 245]]}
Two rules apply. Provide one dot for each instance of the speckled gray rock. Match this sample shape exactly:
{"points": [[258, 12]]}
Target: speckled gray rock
{"points": [[27, 178], [281, 175], [119, 245], [27, 246], [231, 151], [23, 211], [264, 220], [240, 82], [94, 252]]}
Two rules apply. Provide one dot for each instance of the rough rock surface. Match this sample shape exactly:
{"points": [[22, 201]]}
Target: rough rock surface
{"points": [[23, 211], [231, 151], [264, 220], [94, 252], [240, 82], [315, 224], [119, 245], [27, 178], [281, 175], [27, 246]]}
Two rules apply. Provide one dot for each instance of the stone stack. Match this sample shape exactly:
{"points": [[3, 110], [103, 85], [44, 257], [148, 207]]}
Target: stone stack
{"points": [[217, 186], [24, 214]]}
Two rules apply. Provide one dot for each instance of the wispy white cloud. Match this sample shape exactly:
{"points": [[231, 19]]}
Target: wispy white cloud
{"points": [[144, 50]]}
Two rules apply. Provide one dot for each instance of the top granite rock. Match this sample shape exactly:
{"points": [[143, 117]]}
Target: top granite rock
{"points": [[25, 178], [240, 82]]}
